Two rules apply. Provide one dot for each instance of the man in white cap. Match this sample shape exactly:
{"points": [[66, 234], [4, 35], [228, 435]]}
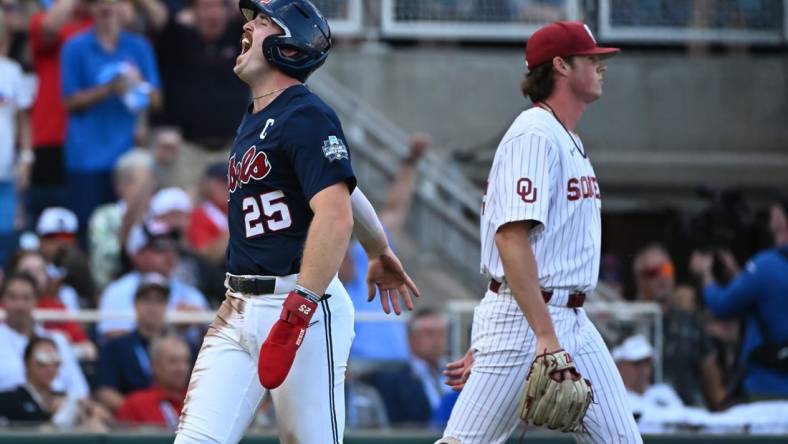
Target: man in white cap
{"points": [[172, 206], [57, 230], [152, 249], [635, 361]]}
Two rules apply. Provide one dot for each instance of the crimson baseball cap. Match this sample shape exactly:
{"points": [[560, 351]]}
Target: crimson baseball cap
{"points": [[562, 39]]}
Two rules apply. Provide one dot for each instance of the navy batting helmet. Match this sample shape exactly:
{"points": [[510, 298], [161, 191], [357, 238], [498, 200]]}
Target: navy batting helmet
{"points": [[306, 32]]}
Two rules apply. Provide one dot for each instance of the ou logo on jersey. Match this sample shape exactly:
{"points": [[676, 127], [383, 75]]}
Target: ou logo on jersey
{"points": [[526, 190]]}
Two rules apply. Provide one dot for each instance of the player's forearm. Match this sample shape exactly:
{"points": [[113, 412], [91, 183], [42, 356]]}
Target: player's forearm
{"points": [[88, 97], [24, 131], [56, 17], [366, 225], [216, 249], [713, 387], [156, 100], [110, 397], [398, 201], [519, 266], [327, 238], [155, 12]]}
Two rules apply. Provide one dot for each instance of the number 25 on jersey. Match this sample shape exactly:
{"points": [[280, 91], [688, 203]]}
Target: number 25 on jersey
{"points": [[275, 214]]}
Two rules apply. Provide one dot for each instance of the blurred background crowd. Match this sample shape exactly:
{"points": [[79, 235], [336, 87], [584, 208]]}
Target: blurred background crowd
{"points": [[115, 120]]}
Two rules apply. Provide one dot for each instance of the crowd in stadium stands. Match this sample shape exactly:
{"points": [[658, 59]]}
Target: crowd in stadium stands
{"points": [[113, 198]]}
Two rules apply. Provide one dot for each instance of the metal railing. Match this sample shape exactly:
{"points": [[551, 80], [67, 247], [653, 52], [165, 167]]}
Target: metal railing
{"points": [[172, 317], [480, 19], [614, 320], [445, 212], [691, 21], [761, 22], [344, 16]]}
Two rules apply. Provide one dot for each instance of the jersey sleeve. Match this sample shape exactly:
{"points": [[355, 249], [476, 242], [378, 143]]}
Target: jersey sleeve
{"points": [[22, 88], [522, 179], [740, 295], [70, 70], [318, 152], [148, 65], [38, 45]]}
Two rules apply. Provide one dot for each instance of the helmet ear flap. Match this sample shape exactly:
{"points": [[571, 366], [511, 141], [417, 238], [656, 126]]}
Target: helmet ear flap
{"points": [[268, 49], [306, 33], [298, 65]]}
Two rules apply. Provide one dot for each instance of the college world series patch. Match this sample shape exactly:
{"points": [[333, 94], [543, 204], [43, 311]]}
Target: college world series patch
{"points": [[334, 148]]}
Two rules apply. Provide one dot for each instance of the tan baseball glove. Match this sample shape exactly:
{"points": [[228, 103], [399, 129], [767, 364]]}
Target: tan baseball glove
{"points": [[550, 399]]}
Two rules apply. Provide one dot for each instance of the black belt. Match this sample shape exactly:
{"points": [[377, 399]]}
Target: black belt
{"points": [[252, 285], [576, 300]]}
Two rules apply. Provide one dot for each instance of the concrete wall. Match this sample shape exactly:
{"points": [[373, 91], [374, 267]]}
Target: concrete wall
{"points": [[679, 119]]}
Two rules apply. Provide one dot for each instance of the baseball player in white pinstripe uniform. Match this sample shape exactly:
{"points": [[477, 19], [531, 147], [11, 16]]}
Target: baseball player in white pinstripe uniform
{"points": [[541, 241]]}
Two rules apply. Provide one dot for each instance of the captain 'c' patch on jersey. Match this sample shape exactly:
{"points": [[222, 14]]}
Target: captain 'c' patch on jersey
{"points": [[253, 165]]}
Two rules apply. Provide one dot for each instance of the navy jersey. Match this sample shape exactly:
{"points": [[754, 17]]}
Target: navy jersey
{"points": [[282, 156]]}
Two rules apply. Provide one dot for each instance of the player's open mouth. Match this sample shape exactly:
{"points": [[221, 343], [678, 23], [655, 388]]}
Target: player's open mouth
{"points": [[246, 42]]}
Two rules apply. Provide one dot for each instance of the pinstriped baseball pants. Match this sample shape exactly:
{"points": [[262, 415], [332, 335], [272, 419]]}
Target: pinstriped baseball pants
{"points": [[225, 393], [486, 411]]}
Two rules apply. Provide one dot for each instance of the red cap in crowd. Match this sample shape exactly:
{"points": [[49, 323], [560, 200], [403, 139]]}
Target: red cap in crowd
{"points": [[562, 39]]}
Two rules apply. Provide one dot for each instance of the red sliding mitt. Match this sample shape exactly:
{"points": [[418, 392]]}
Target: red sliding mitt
{"points": [[286, 336]]}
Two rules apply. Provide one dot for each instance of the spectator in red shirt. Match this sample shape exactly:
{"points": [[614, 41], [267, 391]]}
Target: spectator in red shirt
{"points": [[208, 232], [49, 30], [51, 294], [162, 403], [57, 234]]}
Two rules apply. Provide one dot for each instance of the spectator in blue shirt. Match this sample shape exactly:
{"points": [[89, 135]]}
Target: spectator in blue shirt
{"points": [[124, 363], [413, 391], [109, 76], [758, 293]]}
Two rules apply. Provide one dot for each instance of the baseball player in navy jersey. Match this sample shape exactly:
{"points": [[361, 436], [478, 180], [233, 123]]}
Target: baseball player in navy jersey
{"points": [[287, 322], [541, 241]]}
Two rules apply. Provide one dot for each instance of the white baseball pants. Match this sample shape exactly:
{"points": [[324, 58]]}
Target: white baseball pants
{"points": [[225, 393], [486, 411]]}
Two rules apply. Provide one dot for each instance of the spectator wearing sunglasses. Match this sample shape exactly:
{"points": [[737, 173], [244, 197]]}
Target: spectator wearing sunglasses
{"points": [[36, 402], [18, 297], [690, 365]]}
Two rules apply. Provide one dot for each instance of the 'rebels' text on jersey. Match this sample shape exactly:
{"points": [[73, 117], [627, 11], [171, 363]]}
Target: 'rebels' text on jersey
{"points": [[281, 157]]}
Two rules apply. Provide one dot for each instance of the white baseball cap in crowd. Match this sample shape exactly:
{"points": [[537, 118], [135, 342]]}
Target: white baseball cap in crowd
{"points": [[170, 199], [57, 220], [634, 348], [153, 233], [152, 280]]}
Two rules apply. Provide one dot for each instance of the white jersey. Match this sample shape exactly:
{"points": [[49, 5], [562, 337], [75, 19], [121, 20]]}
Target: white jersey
{"points": [[538, 174], [16, 93]]}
